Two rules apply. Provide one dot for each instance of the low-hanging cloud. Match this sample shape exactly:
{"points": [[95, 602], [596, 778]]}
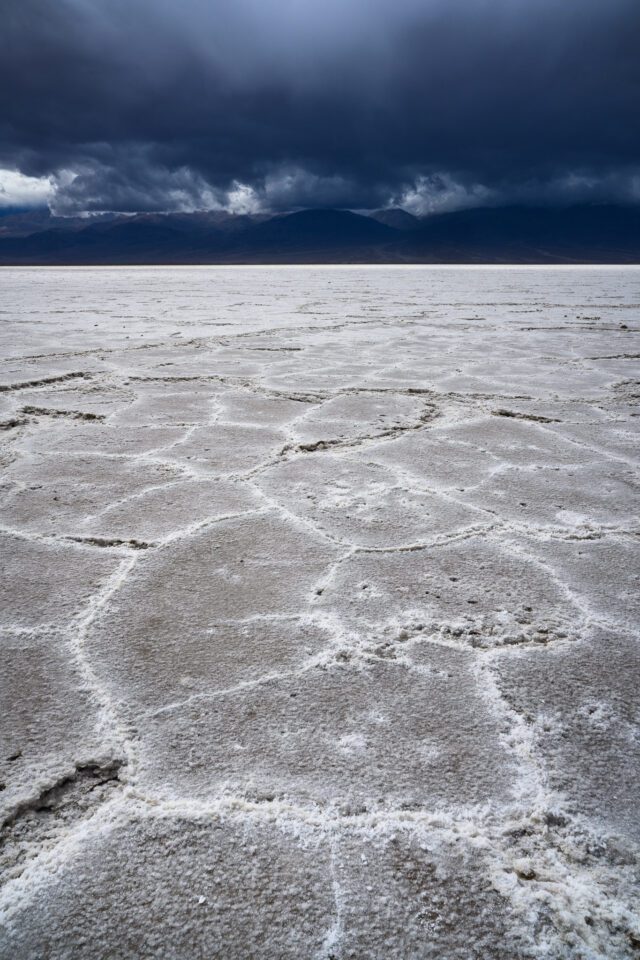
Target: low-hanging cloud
{"points": [[278, 104]]}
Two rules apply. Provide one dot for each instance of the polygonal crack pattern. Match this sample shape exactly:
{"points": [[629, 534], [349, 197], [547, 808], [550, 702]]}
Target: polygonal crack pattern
{"points": [[319, 614]]}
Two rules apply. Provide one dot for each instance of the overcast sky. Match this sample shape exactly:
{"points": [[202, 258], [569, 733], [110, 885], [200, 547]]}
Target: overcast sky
{"points": [[281, 104]]}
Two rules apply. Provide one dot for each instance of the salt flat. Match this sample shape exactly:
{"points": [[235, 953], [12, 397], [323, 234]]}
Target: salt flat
{"points": [[320, 613]]}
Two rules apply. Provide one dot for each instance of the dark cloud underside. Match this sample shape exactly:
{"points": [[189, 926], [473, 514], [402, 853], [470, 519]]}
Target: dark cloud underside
{"points": [[153, 102]]}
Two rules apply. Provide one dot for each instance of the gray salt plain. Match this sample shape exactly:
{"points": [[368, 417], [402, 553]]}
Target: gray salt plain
{"points": [[320, 613]]}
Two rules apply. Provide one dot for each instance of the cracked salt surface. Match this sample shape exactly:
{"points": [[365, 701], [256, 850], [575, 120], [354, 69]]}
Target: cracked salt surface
{"points": [[319, 613]]}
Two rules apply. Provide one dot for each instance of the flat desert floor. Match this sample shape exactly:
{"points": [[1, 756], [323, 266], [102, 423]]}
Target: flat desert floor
{"points": [[320, 613]]}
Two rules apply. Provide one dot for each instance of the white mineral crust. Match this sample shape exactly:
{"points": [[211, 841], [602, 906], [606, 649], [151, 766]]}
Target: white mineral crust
{"points": [[320, 613]]}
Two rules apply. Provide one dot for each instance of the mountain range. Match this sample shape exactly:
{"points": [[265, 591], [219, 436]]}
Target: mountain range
{"points": [[516, 234]]}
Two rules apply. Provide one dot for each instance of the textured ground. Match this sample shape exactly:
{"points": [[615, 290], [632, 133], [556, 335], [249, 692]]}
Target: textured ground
{"points": [[319, 613]]}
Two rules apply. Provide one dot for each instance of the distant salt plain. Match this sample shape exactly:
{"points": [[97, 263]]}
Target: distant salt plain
{"points": [[320, 613]]}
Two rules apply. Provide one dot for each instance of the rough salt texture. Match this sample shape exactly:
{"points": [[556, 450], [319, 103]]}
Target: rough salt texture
{"points": [[320, 613]]}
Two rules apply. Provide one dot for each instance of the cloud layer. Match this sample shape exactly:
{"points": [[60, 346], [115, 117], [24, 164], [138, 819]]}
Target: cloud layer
{"points": [[277, 104]]}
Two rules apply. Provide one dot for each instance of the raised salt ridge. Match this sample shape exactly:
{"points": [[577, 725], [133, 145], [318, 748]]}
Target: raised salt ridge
{"points": [[319, 613]]}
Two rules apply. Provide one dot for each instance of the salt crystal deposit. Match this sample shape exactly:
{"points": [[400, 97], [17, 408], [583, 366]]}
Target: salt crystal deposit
{"points": [[320, 613]]}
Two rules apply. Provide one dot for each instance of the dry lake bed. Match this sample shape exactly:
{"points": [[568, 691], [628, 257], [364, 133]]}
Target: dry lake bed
{"points": [[319, 630]]}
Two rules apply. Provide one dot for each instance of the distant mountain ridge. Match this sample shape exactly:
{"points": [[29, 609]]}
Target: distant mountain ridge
{"points": [[579, 234]]}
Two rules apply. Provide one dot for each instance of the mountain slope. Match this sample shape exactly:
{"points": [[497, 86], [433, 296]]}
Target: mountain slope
{"points": [[528, 235], [581, 234]]}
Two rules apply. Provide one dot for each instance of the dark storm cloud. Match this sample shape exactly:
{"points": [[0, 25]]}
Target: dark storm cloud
{"points": [[164, 105]]}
